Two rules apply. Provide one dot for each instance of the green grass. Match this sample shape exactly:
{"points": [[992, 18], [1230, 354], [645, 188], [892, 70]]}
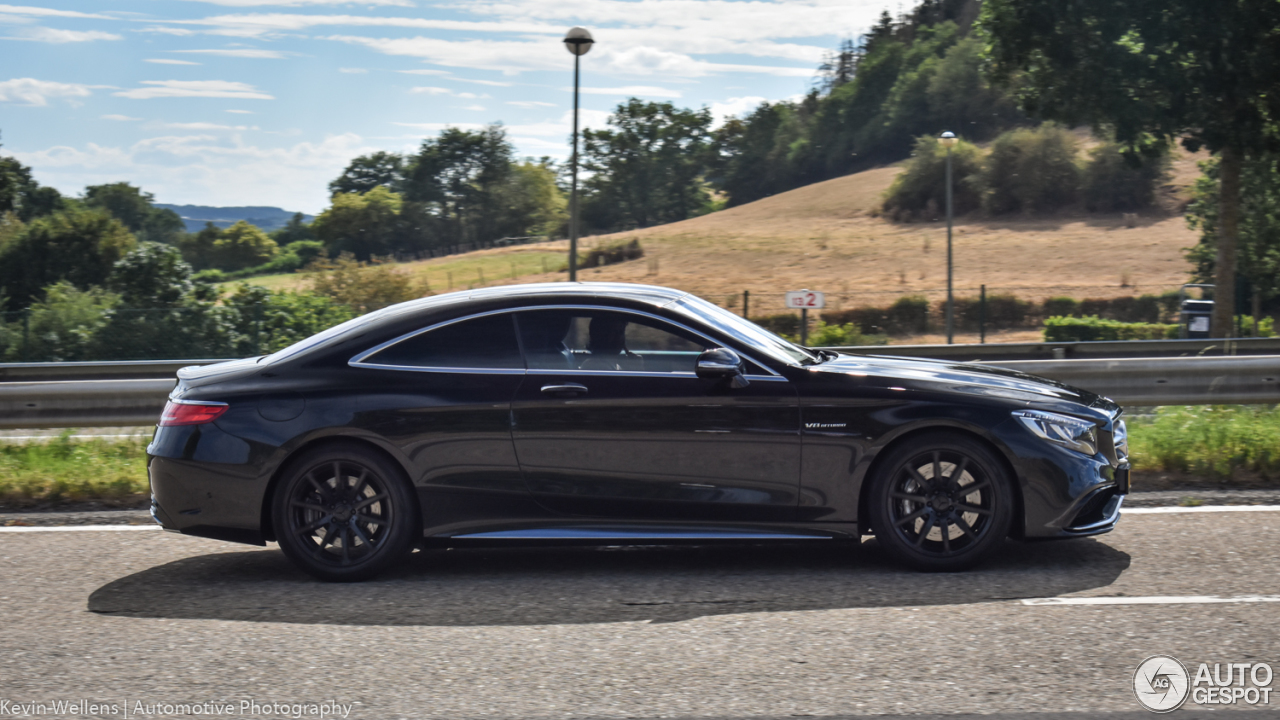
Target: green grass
{"points": [[1217, 442], [62, 471]]}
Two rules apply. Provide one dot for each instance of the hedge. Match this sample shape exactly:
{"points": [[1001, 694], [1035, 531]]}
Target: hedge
{"points": [[1092, 327]]}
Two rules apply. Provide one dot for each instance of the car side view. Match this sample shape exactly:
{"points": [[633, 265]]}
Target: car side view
{"points": [[615, 413]]}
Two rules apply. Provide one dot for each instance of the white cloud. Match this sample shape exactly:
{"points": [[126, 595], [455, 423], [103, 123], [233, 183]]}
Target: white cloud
{"points": [[629, 90], [256, 24], [195, 88], [238, 53], [530, 103], [734, 107], [512, 57], [48, 12], [301, 3], [425, 72], [181, 32], [58, 37], [242, 112], [353, 71], [491, 83], [445, 91], [121, 118], [206, 169], [169, 61], [205, 126], [437, 127], [30, 91]]}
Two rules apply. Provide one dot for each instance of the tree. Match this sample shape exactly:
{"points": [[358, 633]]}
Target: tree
{"points": [[919, 192], [365, 224], [296, 230], [459, 175], [1112, 182], [648, 167], [840, 66], [66, 323], [264, 321], [152, 275], [366, 172], [1153, 71], [1259, 225], [21, 195], [197, 248], [1031, 170], [241, 246], [363, 287], [133, 207], [79, 245], [532, 202]]}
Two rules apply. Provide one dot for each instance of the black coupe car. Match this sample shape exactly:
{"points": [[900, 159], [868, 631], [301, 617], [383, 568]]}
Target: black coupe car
{"points": [[616, 414]]}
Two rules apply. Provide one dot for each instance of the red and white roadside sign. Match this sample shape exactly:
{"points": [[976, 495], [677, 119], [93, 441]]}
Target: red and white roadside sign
{"points": [[806, 300]]}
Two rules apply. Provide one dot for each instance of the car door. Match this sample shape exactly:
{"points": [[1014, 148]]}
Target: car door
{"points": [[443, 395], [611, 421]]}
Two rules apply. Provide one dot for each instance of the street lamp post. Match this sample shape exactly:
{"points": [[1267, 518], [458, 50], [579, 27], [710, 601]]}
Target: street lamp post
{"points": [[578, 41], [948, 139]]}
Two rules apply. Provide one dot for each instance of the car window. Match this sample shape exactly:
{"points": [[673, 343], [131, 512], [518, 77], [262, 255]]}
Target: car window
{"points": [[603, 340], [487, 342]]}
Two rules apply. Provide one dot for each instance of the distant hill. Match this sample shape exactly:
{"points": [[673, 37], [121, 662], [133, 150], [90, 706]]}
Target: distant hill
{"points": [[267, 218]]}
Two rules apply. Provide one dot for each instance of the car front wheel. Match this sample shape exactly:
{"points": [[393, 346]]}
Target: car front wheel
{"points": [[344, 514], [941, 502]]}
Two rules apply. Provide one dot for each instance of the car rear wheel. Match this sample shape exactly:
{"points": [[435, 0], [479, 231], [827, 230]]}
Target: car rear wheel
{"points": [[941, 502], [345, 514]]}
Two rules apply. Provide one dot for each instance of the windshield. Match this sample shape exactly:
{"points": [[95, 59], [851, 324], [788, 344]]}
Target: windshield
{"points": [[747, 332]]}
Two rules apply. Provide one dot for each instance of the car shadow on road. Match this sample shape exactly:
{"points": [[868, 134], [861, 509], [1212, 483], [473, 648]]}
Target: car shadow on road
{"points": [[574, 585]]}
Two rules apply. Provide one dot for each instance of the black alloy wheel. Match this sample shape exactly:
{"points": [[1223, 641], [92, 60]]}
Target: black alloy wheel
{"points": [[941, 503], [344, 514]]}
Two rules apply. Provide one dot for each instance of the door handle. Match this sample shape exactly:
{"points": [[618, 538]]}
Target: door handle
{"points": [[565, 389]]}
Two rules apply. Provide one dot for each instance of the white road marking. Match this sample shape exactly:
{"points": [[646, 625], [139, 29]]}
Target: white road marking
{"points": [[1200, 509], [1153, 600], [73, 528]]}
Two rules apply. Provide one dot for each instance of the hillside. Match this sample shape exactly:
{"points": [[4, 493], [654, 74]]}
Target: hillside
{"points": [[827, 236], [267, 218]]}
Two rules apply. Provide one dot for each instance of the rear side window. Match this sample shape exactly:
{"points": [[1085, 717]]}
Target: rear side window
{"points": [[485, 343]]}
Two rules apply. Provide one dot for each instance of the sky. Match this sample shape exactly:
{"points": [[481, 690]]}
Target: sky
{"points": [[263, 102]]}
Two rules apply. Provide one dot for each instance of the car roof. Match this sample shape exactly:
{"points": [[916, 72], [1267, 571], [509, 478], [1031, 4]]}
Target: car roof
{"points": [[394, 317]]}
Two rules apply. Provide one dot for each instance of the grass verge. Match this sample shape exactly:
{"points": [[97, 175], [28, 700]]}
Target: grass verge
{"points": [[62, 471]]}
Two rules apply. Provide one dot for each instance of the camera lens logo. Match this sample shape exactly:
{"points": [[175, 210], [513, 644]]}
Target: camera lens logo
{"points": [[1161, 683]]}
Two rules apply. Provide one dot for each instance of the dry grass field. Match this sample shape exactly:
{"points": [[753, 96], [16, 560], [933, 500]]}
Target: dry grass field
{"points": [[828, 236]]}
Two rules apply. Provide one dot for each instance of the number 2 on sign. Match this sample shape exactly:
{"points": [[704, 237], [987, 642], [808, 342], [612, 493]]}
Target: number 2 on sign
{"points": [[806, 299]]}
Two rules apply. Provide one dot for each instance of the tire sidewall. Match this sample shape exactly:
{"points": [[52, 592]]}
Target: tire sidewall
{"points": [[406, 525], [1002, 500]]}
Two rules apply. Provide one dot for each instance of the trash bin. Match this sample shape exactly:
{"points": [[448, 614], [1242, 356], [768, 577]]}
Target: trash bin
{"points": [[1195, 317]]}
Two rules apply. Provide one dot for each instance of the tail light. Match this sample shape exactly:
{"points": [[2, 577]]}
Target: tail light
{"points": [[189, 412]]}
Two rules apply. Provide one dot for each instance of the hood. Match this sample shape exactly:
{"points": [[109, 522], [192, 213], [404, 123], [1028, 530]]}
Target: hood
{"points": [[969, 379]]}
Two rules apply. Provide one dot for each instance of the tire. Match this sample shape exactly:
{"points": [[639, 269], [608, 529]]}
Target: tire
{"points": [[345, 513], [941, 526]]}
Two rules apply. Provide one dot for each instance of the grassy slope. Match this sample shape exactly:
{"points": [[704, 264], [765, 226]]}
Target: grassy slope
{"points": [[827, 237]]}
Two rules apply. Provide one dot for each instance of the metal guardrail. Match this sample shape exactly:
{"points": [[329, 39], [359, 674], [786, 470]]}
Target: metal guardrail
{"points": [[53, 395], [1078, 350]]}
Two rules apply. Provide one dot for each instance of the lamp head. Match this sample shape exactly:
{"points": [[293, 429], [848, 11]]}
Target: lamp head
{"points": [[948, 139], [578, 41]]}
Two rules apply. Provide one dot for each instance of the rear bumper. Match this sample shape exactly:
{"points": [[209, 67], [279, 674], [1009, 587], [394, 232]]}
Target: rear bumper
{"points": [[195, 496]]}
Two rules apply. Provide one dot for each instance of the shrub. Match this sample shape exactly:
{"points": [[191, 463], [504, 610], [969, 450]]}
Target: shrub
{"points": [[1112, 183], [266, 321], [1091, 327], [1061, 307], [784, 324], [1030, 170], [919, 192], [363, 287], [241, 246], [65, 324], [1003, 311], [907, 316], [847, 335], [611, 254]]}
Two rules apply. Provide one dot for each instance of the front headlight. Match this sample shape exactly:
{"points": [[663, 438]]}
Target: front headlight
{"points": [[1069, 432]]}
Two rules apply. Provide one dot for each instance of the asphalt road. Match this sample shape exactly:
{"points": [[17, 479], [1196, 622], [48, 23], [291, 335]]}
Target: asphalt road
{"points": [[121, 617]]}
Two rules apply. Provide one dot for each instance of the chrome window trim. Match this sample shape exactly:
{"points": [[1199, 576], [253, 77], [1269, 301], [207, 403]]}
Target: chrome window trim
{"points": [[359, 360]]}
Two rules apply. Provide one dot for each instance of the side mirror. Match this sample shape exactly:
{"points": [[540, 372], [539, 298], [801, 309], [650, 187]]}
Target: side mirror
{"points": [[719, 363]]}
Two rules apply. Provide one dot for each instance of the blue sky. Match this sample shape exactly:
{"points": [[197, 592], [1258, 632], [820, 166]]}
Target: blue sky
{"points": [[260, 102]]}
